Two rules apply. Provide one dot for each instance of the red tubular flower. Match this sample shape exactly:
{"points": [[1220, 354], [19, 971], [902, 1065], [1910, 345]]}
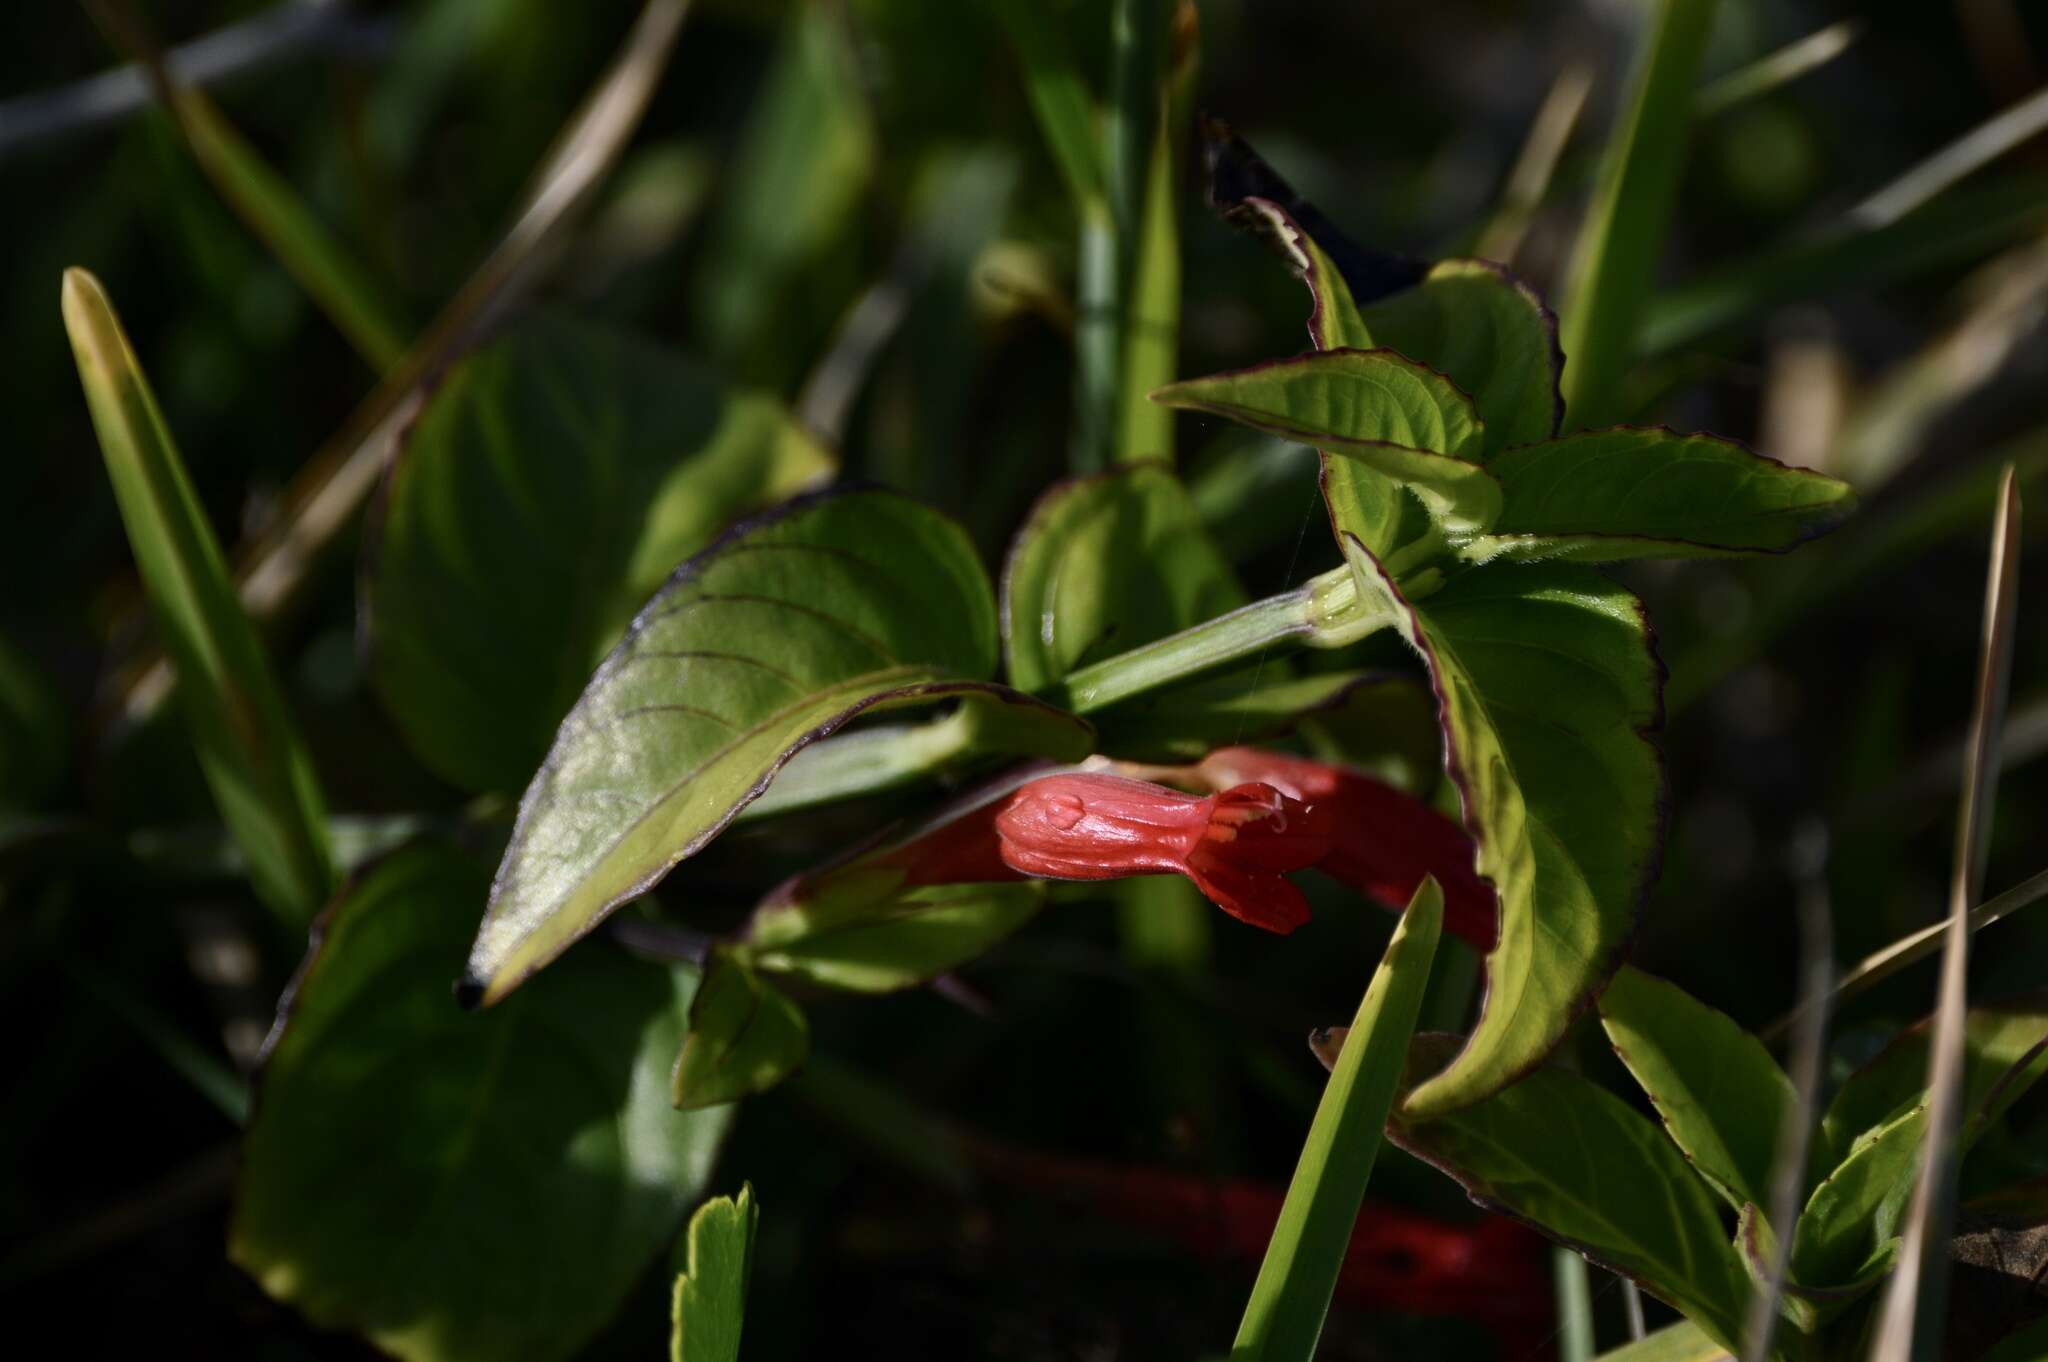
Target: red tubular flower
{"points": [[1236, 845], [1382, 842]]}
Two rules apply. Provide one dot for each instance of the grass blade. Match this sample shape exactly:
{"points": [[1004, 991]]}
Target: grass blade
{"points": [[1807, 1067], [1285, 1315], [1777, 69], [1535, 165], [1615, 262], [1971, 152], [266, 202], [1058, 94], [248, 748], [322, 501], [1574, 1282], [1910, 1320]]}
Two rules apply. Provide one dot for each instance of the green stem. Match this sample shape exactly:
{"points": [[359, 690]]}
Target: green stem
{"points": [[1098, 338], [1324, 612], [1574, 1305]]}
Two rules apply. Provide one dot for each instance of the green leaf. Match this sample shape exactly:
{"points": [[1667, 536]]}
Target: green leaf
{"points": [[1369, 409], [271, 209], [841, 605], [1721, 1096], [859, 928], [711, 1292], [1807, 1308], [1574, 1161], [1680, 1342], [1058, 94], [1548, 691], [772, 276], [1152, 338], [1284, 1317], [1489, 333], [1652, 493], [1614, 265], [1962, 224], [1104, 564], [2005, 1052], [745, 1036], [248, 747], [551, 483], [458, 1187], [1855, 1211]]}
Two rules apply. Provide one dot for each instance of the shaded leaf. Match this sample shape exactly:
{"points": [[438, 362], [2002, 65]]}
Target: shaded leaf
{"points": [[1548, 690], [454, 1186], [1721, 1096], [859, 928], [551, 483], [1652, 493], [1185, 723], [1104, 564], [1806, 1308], [1574, 1161], [710, 1302], [745, 1036], [1284, 1317], [248, 747], [2027, 1344], [840, 605], [2005, 1051]]}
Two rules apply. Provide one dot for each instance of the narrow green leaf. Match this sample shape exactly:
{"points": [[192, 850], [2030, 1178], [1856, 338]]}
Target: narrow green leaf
{"points": [[745, 1036], [1961, 225], [1721, 1096], [1652, 493], [1152, 338], [859, 928], [840, 605], [550, 484], [1058, 94], [1615, 263], [1549, 691], [1574, 1161], [1284, 1317], [2005, 1052], [1855, 1211], [1377, 417], [710, 1301], [794, 191], [1489, 333], [391, 1179], [248, 748]]}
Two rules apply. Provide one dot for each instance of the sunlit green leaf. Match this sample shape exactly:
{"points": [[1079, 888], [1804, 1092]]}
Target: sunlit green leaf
{"points": [[248, 746], [774, 637], [1549, 691], [461, 1187], [710, 1301], [1854, 1213], [1651, 493], [1576, 1162], [1721, 1095], [1370, 408], [2005, 1052], [745, 1036], [1284, 1317], [552, 482], [1487, 332]]}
